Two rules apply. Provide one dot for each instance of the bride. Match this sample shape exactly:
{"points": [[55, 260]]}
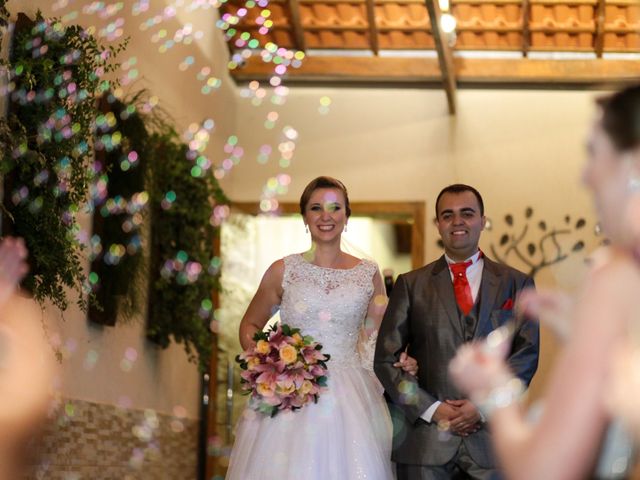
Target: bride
{"points": [[580, 405], [339, 300]]}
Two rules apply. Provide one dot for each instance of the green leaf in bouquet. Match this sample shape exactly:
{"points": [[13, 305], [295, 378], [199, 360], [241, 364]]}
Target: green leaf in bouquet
{"points": [[265, 408], [322, 381], [286, 330], [260, 335], [241, 361], [308, 339]]}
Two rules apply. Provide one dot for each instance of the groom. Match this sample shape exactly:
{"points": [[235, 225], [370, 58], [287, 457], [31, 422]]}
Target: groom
{"points": [[460, 297]]}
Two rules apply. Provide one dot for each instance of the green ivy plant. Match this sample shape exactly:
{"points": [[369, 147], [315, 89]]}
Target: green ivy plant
{"points": [[56, 74], [183, 274], [47, 166]]}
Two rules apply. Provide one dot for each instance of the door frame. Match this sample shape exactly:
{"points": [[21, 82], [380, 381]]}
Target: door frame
{"points": [[412, 213]]}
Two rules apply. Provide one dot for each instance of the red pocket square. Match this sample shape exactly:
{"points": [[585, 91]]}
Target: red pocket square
{"points": [[507, 305]]}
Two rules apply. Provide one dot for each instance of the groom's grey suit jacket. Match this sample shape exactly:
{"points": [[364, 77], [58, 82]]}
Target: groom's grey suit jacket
{"points": [[423, 315]]}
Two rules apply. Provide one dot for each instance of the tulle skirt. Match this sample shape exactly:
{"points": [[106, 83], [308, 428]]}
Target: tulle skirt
{"points": [[346, 435]]}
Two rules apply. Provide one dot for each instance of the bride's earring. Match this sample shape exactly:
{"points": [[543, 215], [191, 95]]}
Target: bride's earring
{"points": [[306, 228], [345, 228], [597, 229]]}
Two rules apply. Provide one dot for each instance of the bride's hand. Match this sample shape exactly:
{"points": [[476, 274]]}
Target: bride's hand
{"points": [[553, 309], [27, 368], [407, 364], [479, 367], [624, 386]]}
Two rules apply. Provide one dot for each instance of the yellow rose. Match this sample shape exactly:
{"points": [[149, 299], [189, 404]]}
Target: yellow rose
{"points": [[252, 363], [265, 389], [263, 347], [305, 387], [288, 354], [286, 390], [297, 338]]}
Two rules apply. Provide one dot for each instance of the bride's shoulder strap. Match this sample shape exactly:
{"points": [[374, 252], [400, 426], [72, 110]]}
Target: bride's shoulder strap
{"points": [[292, 264], [370, 267]]}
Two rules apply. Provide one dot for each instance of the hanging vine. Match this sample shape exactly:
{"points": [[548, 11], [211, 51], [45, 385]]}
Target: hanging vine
{"points": [[56, 73], [183, 273]]}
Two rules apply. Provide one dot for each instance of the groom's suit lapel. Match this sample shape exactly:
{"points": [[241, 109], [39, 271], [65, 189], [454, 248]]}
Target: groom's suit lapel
{"points": [[490, 288], [489, 292], [444, 288]]}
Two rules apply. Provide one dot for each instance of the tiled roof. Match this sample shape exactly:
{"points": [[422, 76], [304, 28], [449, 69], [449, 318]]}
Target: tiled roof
{"points": [[569, 43], [510, 25]]}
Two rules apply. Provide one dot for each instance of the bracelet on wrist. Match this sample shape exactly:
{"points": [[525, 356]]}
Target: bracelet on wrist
{"points": [[504, 395]]}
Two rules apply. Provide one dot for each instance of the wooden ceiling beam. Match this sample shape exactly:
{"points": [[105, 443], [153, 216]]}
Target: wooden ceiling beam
{"points": [[526, 32], [599, 38], [547, 72], [445, 56], [469, 71], [330, 68], [296, 23], [373, 29]]}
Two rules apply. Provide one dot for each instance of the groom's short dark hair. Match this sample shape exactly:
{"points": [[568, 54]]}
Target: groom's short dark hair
{"points": [[459, 188]]}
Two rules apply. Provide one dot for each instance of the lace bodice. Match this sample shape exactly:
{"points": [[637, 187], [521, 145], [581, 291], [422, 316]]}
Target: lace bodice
{"points": [[328, 304]]}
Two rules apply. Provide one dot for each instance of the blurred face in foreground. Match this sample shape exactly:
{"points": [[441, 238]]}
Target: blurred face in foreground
{"points": [[610, 175]]}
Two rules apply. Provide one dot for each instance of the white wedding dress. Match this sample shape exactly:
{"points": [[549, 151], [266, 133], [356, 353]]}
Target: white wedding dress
{"points": [[347, 434]]}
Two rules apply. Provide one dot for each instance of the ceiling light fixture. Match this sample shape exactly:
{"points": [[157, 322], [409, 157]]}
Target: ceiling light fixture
{"points": [[448, 23]]}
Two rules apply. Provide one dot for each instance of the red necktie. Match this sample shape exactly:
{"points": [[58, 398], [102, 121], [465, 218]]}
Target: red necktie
{"points": [[461, 286]]}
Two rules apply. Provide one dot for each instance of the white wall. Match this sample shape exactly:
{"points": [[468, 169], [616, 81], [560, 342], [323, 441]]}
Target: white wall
{"points": [[517, 147]]}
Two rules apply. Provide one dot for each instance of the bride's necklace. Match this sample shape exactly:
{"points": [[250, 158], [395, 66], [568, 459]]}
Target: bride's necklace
{"points": [[312, 257], [334, 264]]}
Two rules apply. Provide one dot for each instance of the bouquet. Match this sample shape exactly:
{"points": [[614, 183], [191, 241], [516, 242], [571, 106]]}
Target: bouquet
{"points": [[283, 371]]}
